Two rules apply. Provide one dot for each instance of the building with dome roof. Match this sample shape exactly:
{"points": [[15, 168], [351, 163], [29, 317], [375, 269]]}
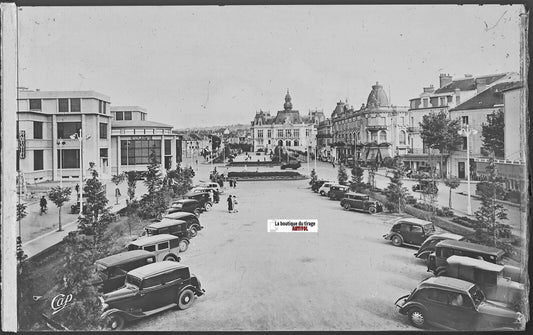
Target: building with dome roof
{"points": [[374, 132], [287, 128]]}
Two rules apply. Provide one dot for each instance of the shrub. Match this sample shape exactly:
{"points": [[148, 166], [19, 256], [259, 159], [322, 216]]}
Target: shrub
{"points": [[390, 206], [466, 221], [410, 200], [513, 196]]}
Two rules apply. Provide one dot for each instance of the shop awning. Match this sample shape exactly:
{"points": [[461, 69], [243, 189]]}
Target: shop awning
{"points": [[384, 152], [372, 154]]}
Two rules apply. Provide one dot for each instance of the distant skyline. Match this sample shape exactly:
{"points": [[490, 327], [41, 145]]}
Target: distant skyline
{"points": [[218, 65]]}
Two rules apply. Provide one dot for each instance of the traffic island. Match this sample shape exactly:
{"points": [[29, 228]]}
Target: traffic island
{"points": [[269, 175]]}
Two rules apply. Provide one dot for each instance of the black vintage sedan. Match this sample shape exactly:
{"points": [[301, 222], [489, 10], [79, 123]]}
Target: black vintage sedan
{"points": [[188, 205]]}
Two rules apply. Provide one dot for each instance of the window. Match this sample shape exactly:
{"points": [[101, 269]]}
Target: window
{"points": [[70, 158], [457, 99], [434, 102], [149, 247], [63, 105], [75, 105], [402, 120], [119, 116], [151, 282], [402, 137], [103, 130], [425, 102], [280, 132], [162, 246], [65, 129], [296, 132], [102, 107], [37, 130], [35, 104], [307, 132], [464, 119], [382, 136], [296, 143], [288, 143], [416, 229], [464, 143], [383, 121], [442, 101], [174, 243], [168, 149], [137, 152], [103, 153], [288, 133], [127, 115], [373, 136], [38, 162], [269, 133], [260, 133], [438, 296]]}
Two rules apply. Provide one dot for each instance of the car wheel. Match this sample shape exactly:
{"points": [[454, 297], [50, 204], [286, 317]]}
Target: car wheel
{"points": [[417, 317], [114, 322], [185, 299], [372, 210], [183, 245], [207, 207], [197, 212], [171, 258], [322, 193], [193, 230], [397, 240], [346, 206]]}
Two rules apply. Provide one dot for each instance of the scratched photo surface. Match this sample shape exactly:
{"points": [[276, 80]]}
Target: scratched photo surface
{"points": [[272, 168]]}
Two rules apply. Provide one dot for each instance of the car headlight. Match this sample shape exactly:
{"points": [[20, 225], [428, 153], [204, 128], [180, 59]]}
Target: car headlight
{"points": [[520, 319], [104, 305]]}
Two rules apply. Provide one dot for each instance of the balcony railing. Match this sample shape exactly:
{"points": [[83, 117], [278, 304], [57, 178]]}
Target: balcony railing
{"points": [[377, 126], [413, 129]]}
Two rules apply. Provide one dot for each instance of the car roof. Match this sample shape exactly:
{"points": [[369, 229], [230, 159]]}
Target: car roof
{"points": [[191, 194], [446, 236], [155, 268], [178, 215], [475, 263], [471, 247], [165, 222], [124, 257], [414, 220], [154, 239], [447, 282], [357, 194], [185, 201]]}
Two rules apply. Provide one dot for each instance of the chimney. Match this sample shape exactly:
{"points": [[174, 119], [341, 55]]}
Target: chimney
{"points": [[444, 79], [429, 89], [481, 85]]}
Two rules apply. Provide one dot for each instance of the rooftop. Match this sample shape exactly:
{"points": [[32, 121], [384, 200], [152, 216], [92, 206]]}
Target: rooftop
{"points": [[489, 98], [138, 124], [127, 108], [26, 94], [469, 83]]}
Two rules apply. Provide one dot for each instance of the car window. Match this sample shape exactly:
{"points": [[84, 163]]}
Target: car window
{"points": [[416, 229], [405, 227], [174, 243], [163, 230], [149, 248], [438, 296], [133, 247], [133, 280], [115, 272], [151, 282], [162, 246]]}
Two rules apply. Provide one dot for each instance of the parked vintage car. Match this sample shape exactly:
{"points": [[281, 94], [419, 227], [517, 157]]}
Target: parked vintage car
{"points": [[202, 197], [193, 223], [324, 189], [291, 165], [173, 227], [426, 186], [317, 184], [361, 202], [337, 192], [455, 304], [410, 231], [186, 205], [428, 246], [498, 282], [149, 290], [444, 249], [112, 269], [166, 247]]}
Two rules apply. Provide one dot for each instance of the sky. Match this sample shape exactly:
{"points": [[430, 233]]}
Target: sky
{"points": [[196, 66]]}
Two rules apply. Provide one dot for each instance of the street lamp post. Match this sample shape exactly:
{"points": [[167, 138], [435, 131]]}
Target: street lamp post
{"points": [[79, 137], [466, 131]]}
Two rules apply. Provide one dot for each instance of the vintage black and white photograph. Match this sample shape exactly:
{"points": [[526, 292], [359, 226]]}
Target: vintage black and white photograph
{"points": [[265, 168]]}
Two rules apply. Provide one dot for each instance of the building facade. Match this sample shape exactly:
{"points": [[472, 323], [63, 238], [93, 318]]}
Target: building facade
{"points": [[287, 129], [49, 127], [133, 138], [324, 138]]}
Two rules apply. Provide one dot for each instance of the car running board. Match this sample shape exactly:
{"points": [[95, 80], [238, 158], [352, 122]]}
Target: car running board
{"points": [[160, 309]]}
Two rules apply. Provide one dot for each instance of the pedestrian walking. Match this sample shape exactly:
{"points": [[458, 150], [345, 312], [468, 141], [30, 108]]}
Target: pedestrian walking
{"points": [[234, 183], [77, 189], [235, 203], [216, 197], [211, 196], [43, 203], [230, 180], [230, 204]]}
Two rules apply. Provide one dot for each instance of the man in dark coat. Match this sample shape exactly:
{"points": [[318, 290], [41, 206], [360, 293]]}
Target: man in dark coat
{"points": [[230, 204]]}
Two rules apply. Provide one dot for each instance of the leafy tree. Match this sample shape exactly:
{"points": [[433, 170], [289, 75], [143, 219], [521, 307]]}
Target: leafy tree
{"points": [[314, 177], [493, 135], [342, 176], [396, 192], [440, 132], [452, 183], [76, 278], [357, 177], [59, 196], [131, 177], [492, 213], [21, 211], [155, 202], [96, 205], [117, 179]]}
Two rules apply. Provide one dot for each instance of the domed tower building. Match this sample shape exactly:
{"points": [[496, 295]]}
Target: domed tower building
{"points": [[287, 129], [382, 131]]}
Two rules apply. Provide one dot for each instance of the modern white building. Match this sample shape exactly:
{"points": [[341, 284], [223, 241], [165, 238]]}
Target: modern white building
{"points": [[47, 122]]}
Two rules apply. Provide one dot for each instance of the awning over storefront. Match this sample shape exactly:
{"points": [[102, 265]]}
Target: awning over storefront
{"points": [[372, 154], [384, 152]]}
